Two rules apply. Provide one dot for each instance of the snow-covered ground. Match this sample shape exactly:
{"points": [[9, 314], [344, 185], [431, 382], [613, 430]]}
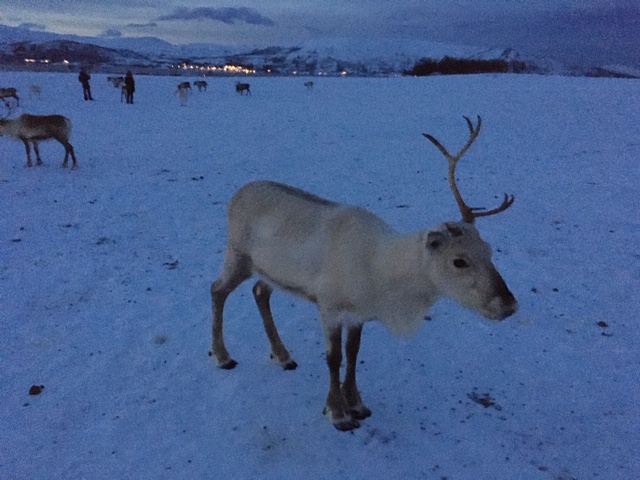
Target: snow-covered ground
{"points": [[105, 275]]}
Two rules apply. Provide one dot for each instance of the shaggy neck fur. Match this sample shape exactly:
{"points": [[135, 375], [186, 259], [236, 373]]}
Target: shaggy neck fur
{"points": [[404, 292]]}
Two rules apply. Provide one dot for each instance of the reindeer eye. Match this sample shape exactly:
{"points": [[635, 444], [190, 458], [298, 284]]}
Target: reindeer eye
{"points": [[460, 263]]}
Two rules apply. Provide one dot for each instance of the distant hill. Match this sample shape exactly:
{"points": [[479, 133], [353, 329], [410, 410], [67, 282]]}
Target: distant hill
{"points": [[21, 48], [61, 51]]}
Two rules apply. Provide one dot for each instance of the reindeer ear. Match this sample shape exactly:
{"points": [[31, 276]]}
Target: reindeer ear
{"points": [[435, 240], [454, 230]]}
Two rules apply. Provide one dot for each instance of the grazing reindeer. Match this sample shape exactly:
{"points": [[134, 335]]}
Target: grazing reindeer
{"points": [[243, 87], [356, 268], [9, 92], [201, 84], [184, 86], [309, 85], [33, 128], [117, 82]]}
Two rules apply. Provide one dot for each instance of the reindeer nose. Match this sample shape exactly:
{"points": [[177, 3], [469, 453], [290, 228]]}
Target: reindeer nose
{"points": [[509, 310], [501, 307], [510, 305]]}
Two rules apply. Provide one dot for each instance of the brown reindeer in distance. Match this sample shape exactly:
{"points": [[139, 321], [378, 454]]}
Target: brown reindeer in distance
{"points": [[243, 87], [184, 89], [200, 85], [186, 86], [33, 128]]}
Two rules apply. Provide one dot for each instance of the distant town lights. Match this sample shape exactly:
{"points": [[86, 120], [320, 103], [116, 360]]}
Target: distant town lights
{"points": [[46, 60], [214, 68]]}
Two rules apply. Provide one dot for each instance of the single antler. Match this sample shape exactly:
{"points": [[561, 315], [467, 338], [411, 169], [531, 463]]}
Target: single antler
{"points": [[8, 106], [469, 214]]}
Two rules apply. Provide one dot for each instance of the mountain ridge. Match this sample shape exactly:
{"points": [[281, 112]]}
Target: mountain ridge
{"points": [[328, 56]]}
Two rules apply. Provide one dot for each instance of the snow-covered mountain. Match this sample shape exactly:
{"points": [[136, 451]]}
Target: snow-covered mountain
{"points": [[331, 56], [363, 57]]}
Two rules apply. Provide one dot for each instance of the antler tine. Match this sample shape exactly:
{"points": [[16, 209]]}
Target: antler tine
{"points": [[9, 108], [506, 203], [469, 214], [473, 133]]}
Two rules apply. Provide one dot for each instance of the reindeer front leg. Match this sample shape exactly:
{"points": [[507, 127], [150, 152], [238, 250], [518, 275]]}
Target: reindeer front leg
{"points": [[28, 149], [218, 348], [350, 392], [262, 294], [336, 408], [234, 272]]}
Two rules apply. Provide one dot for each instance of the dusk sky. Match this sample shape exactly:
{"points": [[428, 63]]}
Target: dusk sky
{"points": [[573, 31]]}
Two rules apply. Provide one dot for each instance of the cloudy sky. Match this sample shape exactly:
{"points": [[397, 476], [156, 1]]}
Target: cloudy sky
{"points": [[574, 31]]}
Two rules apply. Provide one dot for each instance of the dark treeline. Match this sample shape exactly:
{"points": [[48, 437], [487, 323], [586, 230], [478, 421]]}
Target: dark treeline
{"points": [[463, 66]]}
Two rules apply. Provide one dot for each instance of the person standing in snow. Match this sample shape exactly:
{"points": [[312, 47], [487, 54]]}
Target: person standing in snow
{"points": [[84, 78], [130, 86]]}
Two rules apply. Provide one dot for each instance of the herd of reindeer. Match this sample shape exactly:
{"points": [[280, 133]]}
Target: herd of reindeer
{"points": [[30, 129], [348, 261]]}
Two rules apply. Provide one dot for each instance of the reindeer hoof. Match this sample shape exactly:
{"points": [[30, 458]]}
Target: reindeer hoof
{"points": [[343, 424], [360, 413], [228, 365], [290, 365], [286, 364], [347, 424]]}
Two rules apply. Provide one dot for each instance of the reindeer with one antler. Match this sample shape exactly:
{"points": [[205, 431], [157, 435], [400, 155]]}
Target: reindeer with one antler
{"points": [[355, 268]]}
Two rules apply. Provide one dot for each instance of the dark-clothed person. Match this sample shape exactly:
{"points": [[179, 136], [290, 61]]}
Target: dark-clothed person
{"points": [[129, 86], [84, 78]]}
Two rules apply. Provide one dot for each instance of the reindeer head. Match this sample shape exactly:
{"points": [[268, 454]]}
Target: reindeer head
{"points": [[462, 267]]}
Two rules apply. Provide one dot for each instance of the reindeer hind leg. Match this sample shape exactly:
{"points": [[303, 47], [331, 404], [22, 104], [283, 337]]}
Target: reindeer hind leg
{"points": [[37, 150], [68, 148], [262, 294], [68, 151], [73, 155]]}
